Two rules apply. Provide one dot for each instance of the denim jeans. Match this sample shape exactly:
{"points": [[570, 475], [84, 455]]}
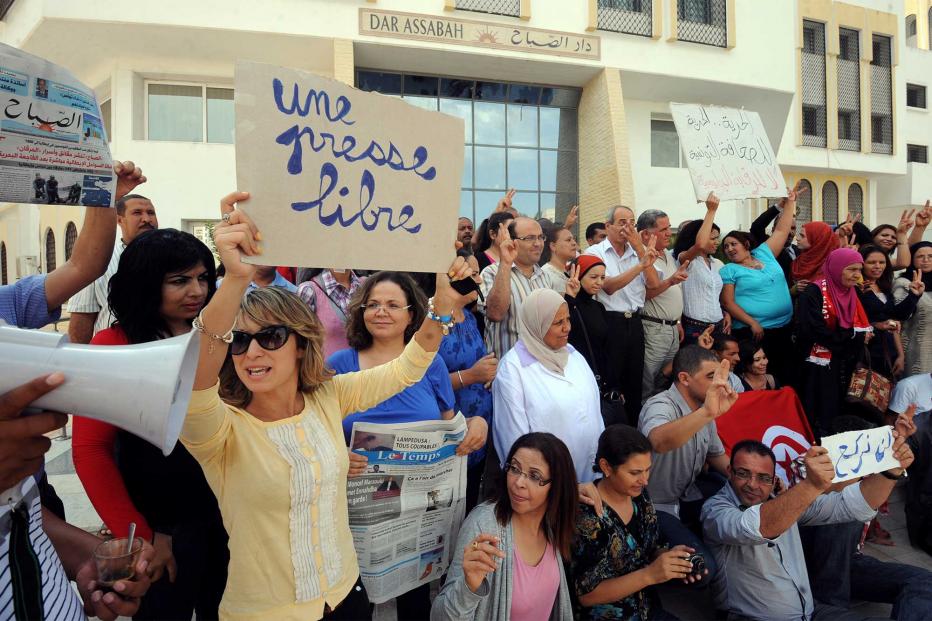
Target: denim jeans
{"points": [[837, 572], [686, 529]]}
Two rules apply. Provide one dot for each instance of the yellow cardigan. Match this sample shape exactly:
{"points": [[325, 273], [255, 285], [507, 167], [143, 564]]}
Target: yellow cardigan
{"points": [[282, 491]]}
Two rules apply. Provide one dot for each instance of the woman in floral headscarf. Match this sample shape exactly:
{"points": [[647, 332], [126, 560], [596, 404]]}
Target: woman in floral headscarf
{"points": [[831, 331]]}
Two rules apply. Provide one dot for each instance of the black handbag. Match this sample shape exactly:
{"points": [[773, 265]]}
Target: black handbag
{"points": [[611, 401]]}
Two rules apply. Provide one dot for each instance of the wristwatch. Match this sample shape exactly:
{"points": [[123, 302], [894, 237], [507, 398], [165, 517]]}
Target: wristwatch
{"points": [[894, 477]]}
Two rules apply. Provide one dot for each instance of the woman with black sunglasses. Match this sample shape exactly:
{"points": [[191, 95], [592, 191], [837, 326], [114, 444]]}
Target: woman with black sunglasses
{"points": [[269, 436], [164, 279]]}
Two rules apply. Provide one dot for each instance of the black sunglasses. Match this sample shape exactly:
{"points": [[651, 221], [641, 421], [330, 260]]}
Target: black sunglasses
{"points": [[269, 339]]}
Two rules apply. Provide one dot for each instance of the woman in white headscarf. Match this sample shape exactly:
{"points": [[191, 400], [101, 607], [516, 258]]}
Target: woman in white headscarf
{"points": [[543, 384]]}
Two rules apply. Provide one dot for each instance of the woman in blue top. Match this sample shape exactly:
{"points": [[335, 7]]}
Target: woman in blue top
{"points": [[384, 314], [755, 294], [471, 371]]}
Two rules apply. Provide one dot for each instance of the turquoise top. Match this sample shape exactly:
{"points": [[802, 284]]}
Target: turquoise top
{"points": [[762, 293]]}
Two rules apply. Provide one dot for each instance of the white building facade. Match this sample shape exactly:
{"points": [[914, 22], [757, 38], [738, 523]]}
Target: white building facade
{"points": [[565, 100]]}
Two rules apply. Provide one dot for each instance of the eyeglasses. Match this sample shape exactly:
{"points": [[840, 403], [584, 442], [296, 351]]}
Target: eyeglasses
{"points": [[269, 339], [746, 475], [533, 238], [391, 307], [532, 477]]}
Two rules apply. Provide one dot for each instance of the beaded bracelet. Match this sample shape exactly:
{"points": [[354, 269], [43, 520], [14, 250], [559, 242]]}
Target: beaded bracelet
{"points": [[446, 321]]}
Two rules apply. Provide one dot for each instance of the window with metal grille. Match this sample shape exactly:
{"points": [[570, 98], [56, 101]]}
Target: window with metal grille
{"points": [[855, 200], [49, 251], [830, 202], [702, 21], [815, 131], [910, 26], [915, 96], [628, 16], [71, 235], [3, 277], [917, 153], [495, 7], [849, 90], [521, 136], [881, 95], [804, 202]]}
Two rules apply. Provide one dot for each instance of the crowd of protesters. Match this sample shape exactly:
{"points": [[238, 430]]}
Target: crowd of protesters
{"points": [[590, 379]]}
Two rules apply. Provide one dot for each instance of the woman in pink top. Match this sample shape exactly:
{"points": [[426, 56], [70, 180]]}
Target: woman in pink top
{"points": [[513, 546]]}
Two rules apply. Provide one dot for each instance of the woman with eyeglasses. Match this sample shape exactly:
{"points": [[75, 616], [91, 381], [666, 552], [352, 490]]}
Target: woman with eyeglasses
{"points": [[508, 558], [618, 556], [269, 437], [164, 279], [384, 314]]}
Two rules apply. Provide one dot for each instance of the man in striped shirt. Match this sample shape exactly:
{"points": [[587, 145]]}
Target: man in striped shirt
{"points": [[505, 284]]}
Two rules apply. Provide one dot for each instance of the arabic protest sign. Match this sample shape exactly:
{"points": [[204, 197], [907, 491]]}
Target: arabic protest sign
{"points": [[450, 30], [343, 178], [727, 152], [860, 453], [53, 147]]}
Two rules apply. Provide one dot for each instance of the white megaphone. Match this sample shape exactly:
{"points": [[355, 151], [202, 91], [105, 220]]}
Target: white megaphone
{"points": [[142, 388]]}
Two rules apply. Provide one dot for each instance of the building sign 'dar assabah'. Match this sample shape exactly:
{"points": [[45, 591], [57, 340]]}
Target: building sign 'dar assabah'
{"points": [[479, 34]]}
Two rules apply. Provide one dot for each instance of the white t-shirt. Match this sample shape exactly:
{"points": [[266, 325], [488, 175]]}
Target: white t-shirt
{"points": [[916, 389]]}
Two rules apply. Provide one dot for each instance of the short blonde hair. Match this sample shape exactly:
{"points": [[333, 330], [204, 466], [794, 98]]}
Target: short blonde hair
{"points": [[273, 306]]}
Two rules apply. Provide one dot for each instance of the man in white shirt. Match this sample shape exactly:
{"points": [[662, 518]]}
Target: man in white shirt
{"points": [[90, 311], [664, 305], [629, 273]]}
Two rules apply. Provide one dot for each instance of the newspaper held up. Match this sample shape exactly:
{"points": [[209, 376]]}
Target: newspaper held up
{"points": [[405, 511], [53, 146]]}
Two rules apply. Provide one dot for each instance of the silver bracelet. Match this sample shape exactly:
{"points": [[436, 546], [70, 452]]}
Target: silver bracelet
{"points": [[227, 337], [462, 383]]}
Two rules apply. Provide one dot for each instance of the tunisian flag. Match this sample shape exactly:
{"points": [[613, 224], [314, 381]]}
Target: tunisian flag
{"points": [[776, 418]]}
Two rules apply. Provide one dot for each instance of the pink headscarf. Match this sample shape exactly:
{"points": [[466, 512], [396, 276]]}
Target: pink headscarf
{"points": [[845, 299]]}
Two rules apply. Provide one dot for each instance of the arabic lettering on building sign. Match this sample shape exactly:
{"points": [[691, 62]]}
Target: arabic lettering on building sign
{"points": [[479, 34]]}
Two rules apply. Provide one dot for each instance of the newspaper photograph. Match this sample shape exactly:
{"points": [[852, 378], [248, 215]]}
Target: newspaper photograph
{"points": [[53, 146], [405, 511]]}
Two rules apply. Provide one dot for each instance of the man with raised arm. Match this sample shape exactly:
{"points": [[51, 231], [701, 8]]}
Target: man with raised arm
{"points": [[755, 538]]}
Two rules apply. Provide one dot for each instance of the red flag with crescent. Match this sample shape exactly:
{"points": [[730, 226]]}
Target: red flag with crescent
{"points": [[776, 418]]}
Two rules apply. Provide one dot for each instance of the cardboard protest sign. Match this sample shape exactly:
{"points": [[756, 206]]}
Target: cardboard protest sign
{"points": [[860, 453], [53, 147], [343, 178], [727, 152]]}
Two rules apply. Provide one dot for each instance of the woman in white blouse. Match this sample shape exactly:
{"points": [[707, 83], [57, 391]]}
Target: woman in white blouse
{"points": [[543, 384], [696, 242]]}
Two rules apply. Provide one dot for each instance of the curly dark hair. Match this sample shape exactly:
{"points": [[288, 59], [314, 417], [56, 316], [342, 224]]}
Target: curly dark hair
{"points": [[357, 335], [135, 294], [686, 238]]}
